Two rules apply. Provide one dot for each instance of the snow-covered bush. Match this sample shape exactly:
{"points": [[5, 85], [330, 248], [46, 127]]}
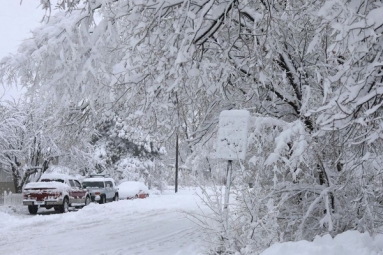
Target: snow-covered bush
{"points": [[300, 189]]}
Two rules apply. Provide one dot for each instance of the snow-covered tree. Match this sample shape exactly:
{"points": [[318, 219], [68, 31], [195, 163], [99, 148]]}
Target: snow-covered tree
{"points": [[125, 153], [32, 138], [353, 88], [26, 146], [310, 71]]}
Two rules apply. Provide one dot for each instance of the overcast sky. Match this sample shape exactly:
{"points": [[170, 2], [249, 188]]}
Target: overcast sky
{"points": [[16, 21]]}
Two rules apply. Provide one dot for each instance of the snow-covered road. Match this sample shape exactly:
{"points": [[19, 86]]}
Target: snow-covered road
{"points": [[153, 226]]}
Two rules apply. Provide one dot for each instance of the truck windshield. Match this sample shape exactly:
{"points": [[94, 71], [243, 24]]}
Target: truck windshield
{"points": [[52, 180], [93, 184]]}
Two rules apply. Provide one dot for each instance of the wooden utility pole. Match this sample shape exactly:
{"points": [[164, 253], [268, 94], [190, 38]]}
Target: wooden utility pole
{"points": [[178, 128], [176, 177]]}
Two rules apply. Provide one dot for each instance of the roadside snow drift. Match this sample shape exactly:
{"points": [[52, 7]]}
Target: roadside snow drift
{"points": [[153, 226], [347, 243]]}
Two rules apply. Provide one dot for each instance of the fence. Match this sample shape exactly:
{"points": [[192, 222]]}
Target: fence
{"points": [[12, 199]]}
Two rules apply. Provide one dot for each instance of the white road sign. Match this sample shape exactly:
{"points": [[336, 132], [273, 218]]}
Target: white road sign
{"points": [[232, 134]]}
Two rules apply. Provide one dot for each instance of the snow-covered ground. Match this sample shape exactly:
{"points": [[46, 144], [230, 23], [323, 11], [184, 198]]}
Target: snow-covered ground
{"points": [[154, 226], [347, 243]]}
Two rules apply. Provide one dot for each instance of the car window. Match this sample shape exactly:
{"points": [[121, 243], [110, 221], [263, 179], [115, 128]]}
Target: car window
{"points": [[77, 183], [93, 184], [72, 183], [52, 180], [110, 183]]}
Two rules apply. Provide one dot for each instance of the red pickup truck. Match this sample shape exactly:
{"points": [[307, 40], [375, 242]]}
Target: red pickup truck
{"points": [[58, 191]]}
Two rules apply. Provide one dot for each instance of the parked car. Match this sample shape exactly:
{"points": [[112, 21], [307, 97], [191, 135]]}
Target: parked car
{"points": [[132, 190], [58, 191], [102, 189]]}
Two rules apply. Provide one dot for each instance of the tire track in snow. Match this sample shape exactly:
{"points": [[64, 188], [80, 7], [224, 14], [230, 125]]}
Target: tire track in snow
{"points": [[143, 227]]}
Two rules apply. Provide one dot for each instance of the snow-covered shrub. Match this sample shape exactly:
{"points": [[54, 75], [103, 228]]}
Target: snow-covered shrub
{"points": [[301, 187]]}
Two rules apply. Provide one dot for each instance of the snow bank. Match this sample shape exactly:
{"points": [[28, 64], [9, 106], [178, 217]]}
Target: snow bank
{"points": [[184, 200], [152, 226], [5, 217], [347, 243]]}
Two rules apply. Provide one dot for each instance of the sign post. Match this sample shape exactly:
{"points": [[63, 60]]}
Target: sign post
{"points": [[176, 177], [231, 145]]}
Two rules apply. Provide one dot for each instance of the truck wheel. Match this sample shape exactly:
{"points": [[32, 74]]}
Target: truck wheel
{"points": [[116, 198], [102, 199], [65, 206], [87, 200], [33, 209]]}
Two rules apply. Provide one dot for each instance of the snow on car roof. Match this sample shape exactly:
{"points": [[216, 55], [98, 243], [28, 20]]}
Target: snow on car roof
{"points": [[41, 185], [98, 179], [131, 188]]}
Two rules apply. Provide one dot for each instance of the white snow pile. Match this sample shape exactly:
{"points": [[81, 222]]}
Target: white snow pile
{"points": [[152, 226], [5, 215], [347, 243], [156, 225], [131, 188]]}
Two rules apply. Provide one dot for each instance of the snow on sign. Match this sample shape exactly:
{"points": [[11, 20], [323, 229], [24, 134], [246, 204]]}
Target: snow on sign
{"points": [[232, 134]]}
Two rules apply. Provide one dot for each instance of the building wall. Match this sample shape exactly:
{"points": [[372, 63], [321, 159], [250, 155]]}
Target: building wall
{"points": [[6, 183], [5, 177], [6, 186]]}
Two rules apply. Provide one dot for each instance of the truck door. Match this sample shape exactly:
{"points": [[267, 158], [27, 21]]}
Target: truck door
{"points": [[80, 191], [74, 193], [109, 190]]}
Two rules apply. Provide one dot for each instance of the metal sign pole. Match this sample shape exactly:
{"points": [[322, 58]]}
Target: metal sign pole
{"points": [[176, 177], [227, 194], [231, 145]]}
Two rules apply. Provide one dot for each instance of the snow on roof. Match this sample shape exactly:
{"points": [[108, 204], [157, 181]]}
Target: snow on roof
{"points": [[98, 179]]}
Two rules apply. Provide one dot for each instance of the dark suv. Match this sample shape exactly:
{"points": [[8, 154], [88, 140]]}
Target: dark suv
{"points": [[102, 189]]}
